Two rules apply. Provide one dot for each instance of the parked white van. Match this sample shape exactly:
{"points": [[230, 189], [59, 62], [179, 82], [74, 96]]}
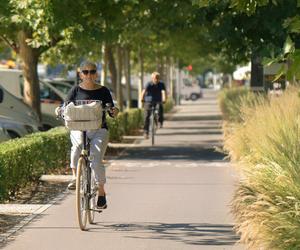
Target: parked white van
{"points": [[190, 90], [12, 81], [16, 118], [16, 109]]}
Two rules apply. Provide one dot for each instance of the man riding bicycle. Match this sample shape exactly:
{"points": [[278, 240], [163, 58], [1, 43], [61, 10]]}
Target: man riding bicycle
{"points": [[89, 90], [154, 94]]}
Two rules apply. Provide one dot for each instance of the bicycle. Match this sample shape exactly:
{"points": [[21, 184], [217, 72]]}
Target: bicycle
{"points": [[86, 188]]}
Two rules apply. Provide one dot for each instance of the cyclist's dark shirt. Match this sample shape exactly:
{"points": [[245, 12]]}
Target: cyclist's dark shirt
{"points": [[154, 90], [101, 94]]}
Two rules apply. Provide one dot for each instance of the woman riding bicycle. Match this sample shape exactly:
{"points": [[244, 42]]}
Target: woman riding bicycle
{"points": [[89, 90]]}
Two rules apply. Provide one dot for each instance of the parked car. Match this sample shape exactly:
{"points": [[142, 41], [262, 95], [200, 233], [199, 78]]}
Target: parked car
{"points": [[62, 86], [51, 97], [16, 129], [191, 90], [4, 136], [16, 109]]}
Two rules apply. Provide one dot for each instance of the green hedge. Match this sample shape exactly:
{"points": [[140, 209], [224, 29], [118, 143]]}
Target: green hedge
{"points": [[168, 106], [26, 159], [125, 123]]}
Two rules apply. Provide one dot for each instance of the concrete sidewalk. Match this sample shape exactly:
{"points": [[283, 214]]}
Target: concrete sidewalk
{"points": [[174, 195]]}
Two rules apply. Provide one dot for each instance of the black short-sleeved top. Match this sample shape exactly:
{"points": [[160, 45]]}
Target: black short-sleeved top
{"points": [[101, 94], [154, 91]]}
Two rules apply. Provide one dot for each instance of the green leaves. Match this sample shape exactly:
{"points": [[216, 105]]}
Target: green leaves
{"points": [[35, 16], [293, 24], [289, 46]]}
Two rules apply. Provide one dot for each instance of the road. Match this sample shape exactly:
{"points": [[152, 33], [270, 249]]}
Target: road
{"points": [[174, 195]]}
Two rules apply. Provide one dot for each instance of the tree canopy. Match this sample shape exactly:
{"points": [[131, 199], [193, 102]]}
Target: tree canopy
{"points": [[204, 33]]}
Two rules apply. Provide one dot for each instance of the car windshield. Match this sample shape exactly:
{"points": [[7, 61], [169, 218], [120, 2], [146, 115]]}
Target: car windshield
{"points": [[64, 88]]}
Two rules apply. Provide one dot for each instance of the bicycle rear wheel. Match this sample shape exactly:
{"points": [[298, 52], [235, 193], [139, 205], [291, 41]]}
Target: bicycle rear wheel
{"points": [[81, 193], [92, 200]]}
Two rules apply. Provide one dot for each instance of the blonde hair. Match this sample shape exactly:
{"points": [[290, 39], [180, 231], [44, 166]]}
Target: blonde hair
{"points": [[155, 74]]}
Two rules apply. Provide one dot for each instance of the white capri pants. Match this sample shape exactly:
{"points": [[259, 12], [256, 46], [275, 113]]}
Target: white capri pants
{"points": [[98, 144]]}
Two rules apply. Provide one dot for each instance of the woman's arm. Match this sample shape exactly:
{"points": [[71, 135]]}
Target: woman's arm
{"points": [[113, 112]]}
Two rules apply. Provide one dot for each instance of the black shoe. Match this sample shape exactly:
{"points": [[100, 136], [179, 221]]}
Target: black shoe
{"points": [[101, 203], [72, 185]]}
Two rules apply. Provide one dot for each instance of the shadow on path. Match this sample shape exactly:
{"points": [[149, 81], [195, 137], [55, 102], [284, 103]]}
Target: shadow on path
{"points": [[197, 118], [187, 153], [216, 132], [212, 127], [188, 233]]}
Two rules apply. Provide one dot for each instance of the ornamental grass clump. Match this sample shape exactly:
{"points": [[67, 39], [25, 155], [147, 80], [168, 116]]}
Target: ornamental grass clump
{"points": [[231, 102], [266, 147]]}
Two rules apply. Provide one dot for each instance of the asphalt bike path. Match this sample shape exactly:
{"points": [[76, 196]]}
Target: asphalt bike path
{"points": [[174, 195]]}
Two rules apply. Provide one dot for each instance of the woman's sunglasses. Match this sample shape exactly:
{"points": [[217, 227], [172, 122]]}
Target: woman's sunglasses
{"points": [[92, 71]]}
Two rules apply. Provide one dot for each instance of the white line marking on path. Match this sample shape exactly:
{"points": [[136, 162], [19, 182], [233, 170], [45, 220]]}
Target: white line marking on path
{"points": [[152, 164]]}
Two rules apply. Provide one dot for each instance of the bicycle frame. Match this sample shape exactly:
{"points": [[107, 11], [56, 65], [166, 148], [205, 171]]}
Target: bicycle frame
{"points": [[85, 153]]}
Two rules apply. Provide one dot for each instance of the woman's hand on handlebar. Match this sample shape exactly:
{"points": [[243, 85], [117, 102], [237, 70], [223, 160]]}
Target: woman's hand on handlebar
{"points": [[114, 111], [58, 112]]}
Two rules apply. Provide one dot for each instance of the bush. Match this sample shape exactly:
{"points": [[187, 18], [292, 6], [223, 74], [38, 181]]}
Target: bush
{"points": [[26, 159], [135, 120], [168, 106], [125, 123]]}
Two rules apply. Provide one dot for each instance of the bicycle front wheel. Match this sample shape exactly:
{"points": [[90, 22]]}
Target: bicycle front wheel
{"points": [[92, 200], [81, 193]]}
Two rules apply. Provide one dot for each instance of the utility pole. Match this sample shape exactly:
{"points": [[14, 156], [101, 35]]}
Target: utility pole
{"points": [[141, 78]]}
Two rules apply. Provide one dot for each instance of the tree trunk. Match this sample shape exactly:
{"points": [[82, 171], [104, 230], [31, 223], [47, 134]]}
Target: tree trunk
{"points": [[178, 84], [171, 94], [30, 57], [141, 81], [168, 69], [160, 67], [112, 68], [104, 65], [257, 72], [163, 68], [119, 77], [127, 70]]}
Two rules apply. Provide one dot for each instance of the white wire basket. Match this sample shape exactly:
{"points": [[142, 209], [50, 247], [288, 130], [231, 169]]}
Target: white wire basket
{"points": [[83, 115]]}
